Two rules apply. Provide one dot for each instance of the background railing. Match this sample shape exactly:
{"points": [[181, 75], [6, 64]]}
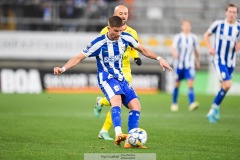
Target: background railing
{"points": [[152, 16]]}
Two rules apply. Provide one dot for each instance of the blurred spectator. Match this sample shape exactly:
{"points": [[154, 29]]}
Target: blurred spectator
{"points": [[47, 15], [7, 11], [95, 10], [68, 11], [80, 6], [33, 10]]}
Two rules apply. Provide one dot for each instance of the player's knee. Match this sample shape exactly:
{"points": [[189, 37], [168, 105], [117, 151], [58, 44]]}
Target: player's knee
{"points": [[227, 85], [134, 105]]}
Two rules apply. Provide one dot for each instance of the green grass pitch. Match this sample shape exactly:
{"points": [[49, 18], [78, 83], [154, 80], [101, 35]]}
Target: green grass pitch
{"points": [[63, 126]]}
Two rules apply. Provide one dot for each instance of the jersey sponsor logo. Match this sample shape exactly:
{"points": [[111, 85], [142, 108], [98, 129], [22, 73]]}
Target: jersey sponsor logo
{"points": [[112, 58], [228, 38]]}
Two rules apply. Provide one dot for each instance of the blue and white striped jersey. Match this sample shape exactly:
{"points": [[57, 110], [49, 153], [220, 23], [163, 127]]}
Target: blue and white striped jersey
{"points": [[185, 46], [226, 37], [109, 54]]}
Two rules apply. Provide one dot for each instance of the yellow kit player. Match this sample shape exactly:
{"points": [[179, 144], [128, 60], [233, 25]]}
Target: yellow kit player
{"points": [[122, 12]]}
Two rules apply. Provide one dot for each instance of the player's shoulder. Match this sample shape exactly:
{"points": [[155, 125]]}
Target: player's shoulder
{"points": [[178, 35], [126, 34], [219, 21], [99, 38], [130, 30], [193, 35], [238, 21]]}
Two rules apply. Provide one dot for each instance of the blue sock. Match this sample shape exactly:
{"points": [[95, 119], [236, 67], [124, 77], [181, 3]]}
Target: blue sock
{"points": [[219, 97], [175, 95], [133, 119], [116, 116], [191, 95]]}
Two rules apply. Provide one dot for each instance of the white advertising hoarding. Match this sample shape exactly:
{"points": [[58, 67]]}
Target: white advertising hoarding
{"points": [[43, 45]]}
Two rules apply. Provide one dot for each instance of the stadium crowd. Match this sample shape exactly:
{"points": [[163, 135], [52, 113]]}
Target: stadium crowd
{"points": [[49, 15]]}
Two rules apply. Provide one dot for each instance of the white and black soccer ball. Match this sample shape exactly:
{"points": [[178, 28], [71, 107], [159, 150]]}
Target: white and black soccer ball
{"points": [[137, 137]]}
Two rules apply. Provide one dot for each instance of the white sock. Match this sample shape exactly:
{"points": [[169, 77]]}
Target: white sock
{"points": [[210, 112], [214, 106], [118, 130]]}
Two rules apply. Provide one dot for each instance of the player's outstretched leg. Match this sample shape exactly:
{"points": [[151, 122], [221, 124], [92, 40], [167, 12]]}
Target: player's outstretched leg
{"points": [[98, 108], [100, 103], [193, 106], [213, 114], [103, 134], [174, 106], [116, 119], [191, 96], [119, 138]]}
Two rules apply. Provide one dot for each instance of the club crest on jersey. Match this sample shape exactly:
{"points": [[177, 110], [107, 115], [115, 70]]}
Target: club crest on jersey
{"points": [[223, 74], [236, 32], [116, 88], [87, 48], [122, 46]]}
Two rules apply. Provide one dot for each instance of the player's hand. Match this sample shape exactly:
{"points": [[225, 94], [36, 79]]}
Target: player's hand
{"points": [[164, 64], [237, 47], [211, 51], [138, 61], [58, 70], [197, 64], [175, 55]]}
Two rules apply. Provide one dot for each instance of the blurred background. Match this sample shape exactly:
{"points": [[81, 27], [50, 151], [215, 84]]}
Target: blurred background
{"points": [[36, 35]]}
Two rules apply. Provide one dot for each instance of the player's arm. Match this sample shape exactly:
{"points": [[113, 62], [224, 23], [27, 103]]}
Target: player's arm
{"points": [[197, 61], [138, 61], [237, 46], [173, 49], [133, 52], [208, 43], [71, 63], [135, 57], [147, 53], [174, 52]]}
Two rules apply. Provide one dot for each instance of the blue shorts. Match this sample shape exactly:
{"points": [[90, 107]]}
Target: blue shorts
{"points": [[113, 87], [187, 74], [224, 73]]}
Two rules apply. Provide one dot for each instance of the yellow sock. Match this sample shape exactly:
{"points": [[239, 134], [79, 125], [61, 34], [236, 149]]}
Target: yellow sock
{"points": [[104, 102], [108, 122]]}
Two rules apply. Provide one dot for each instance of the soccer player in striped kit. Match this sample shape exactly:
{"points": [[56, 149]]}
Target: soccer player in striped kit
{"points": [[227, 37], [121, 11], [186, 56], [108, 50]]}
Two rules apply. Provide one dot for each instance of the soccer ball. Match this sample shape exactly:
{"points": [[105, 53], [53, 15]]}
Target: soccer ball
{"points": [[137, 137]]}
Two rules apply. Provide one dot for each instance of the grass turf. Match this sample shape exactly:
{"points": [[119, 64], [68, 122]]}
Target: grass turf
{"points": [[62, 126]]}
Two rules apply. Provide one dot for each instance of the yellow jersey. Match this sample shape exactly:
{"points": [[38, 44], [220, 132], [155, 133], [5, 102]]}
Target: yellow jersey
{"points": [[130, 52]]}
